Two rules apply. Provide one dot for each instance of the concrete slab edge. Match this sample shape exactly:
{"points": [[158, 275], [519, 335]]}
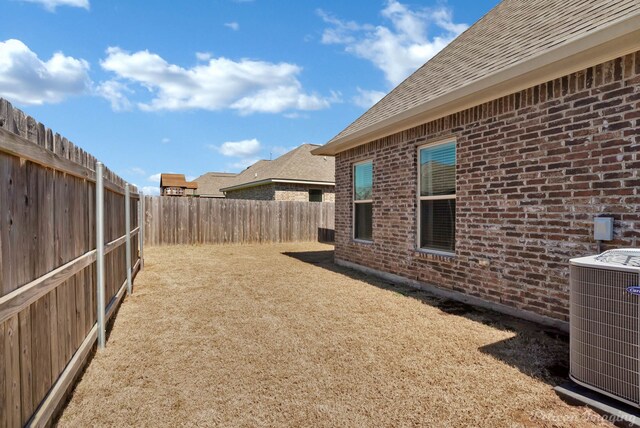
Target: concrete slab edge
{"points": [[616, 412]]}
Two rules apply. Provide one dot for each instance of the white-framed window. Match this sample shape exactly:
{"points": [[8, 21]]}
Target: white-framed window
{"points": [[363, 200], [437, 197]]}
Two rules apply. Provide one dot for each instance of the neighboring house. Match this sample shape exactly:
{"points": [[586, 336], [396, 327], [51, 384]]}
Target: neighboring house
{"points": [[537, 109], [294, 176], [176, 185], [209, 184]]}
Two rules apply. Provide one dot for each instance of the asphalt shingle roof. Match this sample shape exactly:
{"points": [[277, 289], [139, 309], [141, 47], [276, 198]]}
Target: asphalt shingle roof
{"points": [[513, 31], [209, 184], [298, 164]]}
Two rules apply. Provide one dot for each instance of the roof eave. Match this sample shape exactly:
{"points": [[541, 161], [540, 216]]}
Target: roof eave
{"points": [[618, 39], [277, 180]]}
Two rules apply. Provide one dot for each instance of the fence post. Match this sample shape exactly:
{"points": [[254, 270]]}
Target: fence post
{"points": [[127, 225], [100, 253], [141, 233]]}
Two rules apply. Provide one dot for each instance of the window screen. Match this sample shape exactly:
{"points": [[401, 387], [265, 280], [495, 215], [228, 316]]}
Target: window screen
{"points": [[437, 193], [438, 224], [363, 201], [364, 225], [363, 179], [438, 170]]}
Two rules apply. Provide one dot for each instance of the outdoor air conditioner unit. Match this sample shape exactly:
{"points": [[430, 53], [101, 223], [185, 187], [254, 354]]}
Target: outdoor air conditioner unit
{"points": [[605, 324]]}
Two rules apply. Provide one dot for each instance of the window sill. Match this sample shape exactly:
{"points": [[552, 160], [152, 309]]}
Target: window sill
{"points": [[427, 252], [362, 241]]}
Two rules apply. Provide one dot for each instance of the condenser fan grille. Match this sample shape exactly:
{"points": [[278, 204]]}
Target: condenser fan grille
{"points": [[620, 257], [604, 331]]}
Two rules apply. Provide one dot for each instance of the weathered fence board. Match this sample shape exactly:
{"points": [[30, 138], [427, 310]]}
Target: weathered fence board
{"points": [[47, 264], [187, 221]]}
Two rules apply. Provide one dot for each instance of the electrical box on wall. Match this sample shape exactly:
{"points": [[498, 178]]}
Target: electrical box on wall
{"points": [[603, 228]]}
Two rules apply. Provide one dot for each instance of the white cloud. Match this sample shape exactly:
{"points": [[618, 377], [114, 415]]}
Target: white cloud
{"points": [[150, 190], [26, 79], [366, 99], [280, 98], [247, 86], [137, 170], [155, 178], [233, 25], [242, 149], [51, 5], [203, 56], [341, 31], [114, 92], [242, 164], [413, 37], [296, 115], [165, 141], [245, 150]]}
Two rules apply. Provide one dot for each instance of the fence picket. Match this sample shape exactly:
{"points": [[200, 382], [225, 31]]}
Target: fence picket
{"points": [[47, 219], [189, 221]]}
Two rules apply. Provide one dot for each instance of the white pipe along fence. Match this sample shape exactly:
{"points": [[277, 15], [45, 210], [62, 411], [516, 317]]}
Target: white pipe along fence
{"points": [[66, 263]]}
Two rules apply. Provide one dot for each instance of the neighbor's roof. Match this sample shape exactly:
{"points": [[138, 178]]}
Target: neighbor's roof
{"points": [[507, 44], [209, 184], [176, 180], [298, 165]]}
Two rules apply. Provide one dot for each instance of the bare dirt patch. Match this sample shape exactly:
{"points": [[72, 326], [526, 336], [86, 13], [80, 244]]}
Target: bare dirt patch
{"points": [[276, 335]]}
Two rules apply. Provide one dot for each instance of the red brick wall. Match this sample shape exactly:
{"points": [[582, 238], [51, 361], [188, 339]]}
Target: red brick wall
{"points": [[534, 168]]}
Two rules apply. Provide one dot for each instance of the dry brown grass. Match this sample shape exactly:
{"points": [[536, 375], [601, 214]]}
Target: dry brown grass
{"points": [[250, 336]]}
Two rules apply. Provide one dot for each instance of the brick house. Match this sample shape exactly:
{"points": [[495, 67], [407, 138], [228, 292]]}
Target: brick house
{"points": [[176, 185], [294, 176], [536, 108]]}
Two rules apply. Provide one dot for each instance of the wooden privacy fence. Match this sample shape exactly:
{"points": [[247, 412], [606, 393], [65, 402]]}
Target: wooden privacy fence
{"points": [[54, 283], [182, 220]]}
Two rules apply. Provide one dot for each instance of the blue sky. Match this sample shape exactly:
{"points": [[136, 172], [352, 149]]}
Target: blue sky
{"points": [[197, 86]]}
